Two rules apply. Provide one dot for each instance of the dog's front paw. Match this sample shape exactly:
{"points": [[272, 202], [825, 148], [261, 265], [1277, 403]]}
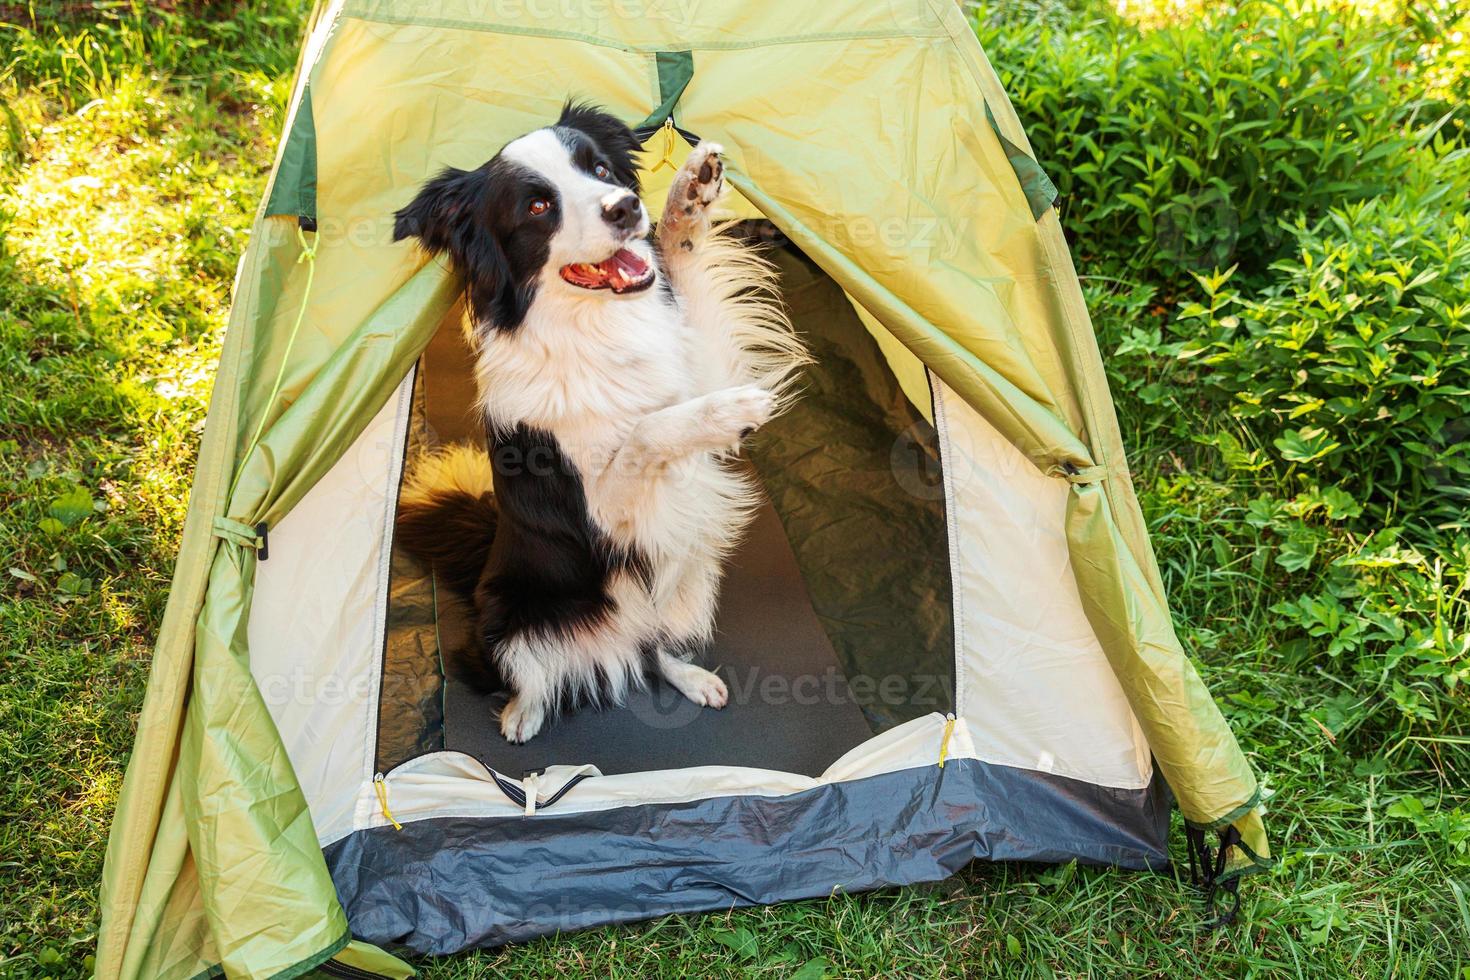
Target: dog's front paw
{"points": [[707, 690], [698, 185], [521, 719], [734, 413], [701, 686]]}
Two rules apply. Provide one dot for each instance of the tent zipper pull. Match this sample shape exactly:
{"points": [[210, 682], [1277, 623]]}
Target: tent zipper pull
{"points": [[949, 721], [529, 783], [380, 784], [669, 144]]}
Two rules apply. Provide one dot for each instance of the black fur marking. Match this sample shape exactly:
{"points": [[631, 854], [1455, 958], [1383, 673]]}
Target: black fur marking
{"points": [[594, 135], [550, 566], [452, 531], [482, 220]]}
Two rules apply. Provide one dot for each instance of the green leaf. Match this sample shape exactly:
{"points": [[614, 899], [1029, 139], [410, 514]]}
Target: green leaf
{"points": [[741, 940], [1340, 504], [812, 970], [1305, 445], [1406, 808], [1297, 551], [73, 584], [50, 525], [72, 506], [1013, 946]]}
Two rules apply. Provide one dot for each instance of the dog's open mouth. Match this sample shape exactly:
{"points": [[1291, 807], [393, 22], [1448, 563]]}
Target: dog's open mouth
{"points": [[623, 273]]}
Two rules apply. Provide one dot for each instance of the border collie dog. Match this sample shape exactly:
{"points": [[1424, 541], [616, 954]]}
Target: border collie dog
{"points": [[618, 368]]}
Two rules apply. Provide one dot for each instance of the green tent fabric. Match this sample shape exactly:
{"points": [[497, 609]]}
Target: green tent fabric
{"points": [[874, 135]]}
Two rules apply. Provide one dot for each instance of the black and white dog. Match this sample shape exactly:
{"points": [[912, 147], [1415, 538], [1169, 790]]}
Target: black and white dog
{"points": [[617, 373]]}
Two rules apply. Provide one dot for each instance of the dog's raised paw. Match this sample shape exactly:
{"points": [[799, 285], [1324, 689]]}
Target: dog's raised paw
{"points": [[696, 187], [703, 175], [521, 719]]}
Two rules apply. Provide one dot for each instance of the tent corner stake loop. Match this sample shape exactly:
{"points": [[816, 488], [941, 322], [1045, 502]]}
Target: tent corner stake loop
{"points": [[380, 785], [1207, 873], [949, 721]]}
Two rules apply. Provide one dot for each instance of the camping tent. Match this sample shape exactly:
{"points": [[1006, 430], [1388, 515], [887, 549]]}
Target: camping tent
{"points": [[946, 636]]}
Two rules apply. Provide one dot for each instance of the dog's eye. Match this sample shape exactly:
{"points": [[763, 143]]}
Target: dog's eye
{"points": [[539, 207], [602, 172]]}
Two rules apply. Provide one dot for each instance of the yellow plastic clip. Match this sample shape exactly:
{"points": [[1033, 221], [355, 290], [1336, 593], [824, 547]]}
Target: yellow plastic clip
{"points": [[381, 785], [669, 144], [944, 742]]}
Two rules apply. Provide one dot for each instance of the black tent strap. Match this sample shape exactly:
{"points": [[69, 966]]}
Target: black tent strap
{"points": [[336, 968], [255, 538], [1207, 872]]}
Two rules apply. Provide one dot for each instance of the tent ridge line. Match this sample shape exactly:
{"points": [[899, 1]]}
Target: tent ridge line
{"points": [[354, 11]]}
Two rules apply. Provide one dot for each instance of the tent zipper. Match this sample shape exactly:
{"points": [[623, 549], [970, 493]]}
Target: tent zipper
{"points": [[644, 134]]}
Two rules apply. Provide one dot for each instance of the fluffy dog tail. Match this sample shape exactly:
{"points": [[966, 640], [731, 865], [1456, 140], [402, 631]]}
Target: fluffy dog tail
{"points": [[447, 515]]}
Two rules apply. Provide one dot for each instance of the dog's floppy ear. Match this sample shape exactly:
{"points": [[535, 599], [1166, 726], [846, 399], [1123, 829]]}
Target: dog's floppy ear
{"points": [[494, 296], [611, 134], [442, 214], [442, 218]]}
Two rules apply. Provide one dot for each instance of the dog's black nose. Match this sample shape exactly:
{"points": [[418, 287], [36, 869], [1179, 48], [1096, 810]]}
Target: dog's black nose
{"points": [[624, 213]]}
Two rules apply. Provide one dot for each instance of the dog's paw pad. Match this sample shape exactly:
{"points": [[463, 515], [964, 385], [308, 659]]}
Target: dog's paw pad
{"points": [[521, 720], [699, 183]]}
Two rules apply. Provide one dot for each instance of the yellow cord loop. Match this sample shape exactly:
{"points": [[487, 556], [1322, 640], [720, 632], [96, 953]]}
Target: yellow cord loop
{"points": [[669, 144], [381, 785], [944, 742]]}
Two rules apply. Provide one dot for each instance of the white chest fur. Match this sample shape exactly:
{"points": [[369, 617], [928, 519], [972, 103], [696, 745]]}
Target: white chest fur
{"points": [[588, 369]]}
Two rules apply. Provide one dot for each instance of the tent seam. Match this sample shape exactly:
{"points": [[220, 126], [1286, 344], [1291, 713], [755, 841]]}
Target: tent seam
{"points": [[1230, 816], [396, 467], [450, 23], [941, 426], [315, 960]]}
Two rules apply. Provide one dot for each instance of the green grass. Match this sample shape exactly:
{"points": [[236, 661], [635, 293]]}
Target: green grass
{"points": [[133, 150]]}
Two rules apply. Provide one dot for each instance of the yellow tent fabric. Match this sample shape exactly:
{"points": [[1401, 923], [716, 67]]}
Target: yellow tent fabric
{"points": [[213, 864]]}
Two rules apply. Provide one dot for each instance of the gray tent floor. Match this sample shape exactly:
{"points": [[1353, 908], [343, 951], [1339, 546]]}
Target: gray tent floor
{"points": [[790, 707]]}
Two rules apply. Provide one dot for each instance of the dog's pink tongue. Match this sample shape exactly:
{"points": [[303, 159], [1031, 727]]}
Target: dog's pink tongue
{"points": [[624, 269]]}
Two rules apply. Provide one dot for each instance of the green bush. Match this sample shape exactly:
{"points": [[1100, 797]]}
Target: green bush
{"points": [[1354, 363], [1300, 422], [1182, 148]]}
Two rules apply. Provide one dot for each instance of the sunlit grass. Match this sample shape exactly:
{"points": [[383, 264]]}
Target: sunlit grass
{"points": [[125, 201], [133, 150]]}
